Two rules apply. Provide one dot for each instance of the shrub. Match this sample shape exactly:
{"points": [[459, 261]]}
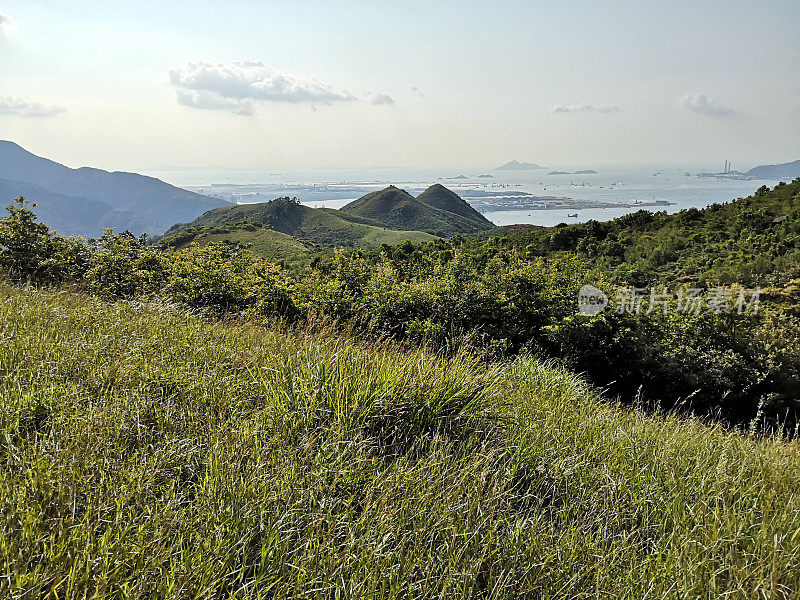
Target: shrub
{"points": [[30, 251], [122, 266], [228, 280]]}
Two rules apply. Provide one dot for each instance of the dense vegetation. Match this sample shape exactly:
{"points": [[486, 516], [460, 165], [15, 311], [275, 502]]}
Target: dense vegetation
{"points": [[504, 296], [253, 236], [148, 453], [735, 242]]}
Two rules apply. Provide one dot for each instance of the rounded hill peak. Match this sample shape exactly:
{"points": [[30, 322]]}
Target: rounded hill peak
{"points": [[438, 196]]}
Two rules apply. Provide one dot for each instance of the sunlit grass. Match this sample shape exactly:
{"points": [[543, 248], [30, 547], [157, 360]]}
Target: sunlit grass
{"points": [[149, 453]]}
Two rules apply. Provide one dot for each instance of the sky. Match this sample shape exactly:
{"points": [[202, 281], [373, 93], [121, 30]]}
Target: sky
{"points": [[312, 84]]}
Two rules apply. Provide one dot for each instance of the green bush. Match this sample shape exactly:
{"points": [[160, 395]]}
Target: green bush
{"points": [[30, 251], [229, 281], [123, 266]]}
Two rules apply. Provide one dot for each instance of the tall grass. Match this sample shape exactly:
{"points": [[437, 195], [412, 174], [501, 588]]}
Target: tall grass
{"points": [[147, 453]]}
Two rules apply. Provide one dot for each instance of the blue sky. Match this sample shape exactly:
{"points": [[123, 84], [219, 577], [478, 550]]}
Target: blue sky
{"points": [[130, 85]]}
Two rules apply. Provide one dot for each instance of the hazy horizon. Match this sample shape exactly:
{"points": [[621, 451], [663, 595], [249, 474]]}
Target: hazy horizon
{"points": [[312, 86]]}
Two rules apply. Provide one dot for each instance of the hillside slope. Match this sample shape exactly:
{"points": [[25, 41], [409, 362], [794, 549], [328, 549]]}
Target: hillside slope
{"points": [[149, 453], [320, 226], [440, 197], [785, 171], [73, 215], [261, 241], [750, 241], [156, 204], [398, 209]]}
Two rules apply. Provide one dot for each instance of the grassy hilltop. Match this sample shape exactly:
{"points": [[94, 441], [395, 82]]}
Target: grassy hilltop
{"points": [[505, 294], [149, 453], [261, 241], [437, 210], [304, 227], [386, 217]]}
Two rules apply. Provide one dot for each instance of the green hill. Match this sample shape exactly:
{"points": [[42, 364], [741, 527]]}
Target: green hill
{"points": [[440, 197], [318, 226], [398, 209], [262, 241]]}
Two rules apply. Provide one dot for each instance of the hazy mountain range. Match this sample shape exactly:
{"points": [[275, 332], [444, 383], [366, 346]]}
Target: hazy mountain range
{"points": [[781, 172], [84, 201]]}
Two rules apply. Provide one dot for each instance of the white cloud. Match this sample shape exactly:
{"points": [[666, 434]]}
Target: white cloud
{"points": [[702, 104], [584, 107], [214, 101], [7, 24], [27, 107], [241, 86], [381, 99]]}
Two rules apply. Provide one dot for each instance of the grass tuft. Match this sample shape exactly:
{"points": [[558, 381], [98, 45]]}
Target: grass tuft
{"points": [[148, 453]]}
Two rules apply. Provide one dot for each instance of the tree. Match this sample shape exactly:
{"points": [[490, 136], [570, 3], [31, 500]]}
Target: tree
{"points": [[24, 243], [31, 251]]}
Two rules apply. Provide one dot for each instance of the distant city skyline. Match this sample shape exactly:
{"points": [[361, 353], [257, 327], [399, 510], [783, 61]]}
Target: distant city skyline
{"points": [[319, 85]]}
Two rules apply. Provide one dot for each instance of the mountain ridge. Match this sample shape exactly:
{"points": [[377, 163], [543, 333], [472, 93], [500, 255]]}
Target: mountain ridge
{"points": [[438, 196], [140, 203], [72, 215]]}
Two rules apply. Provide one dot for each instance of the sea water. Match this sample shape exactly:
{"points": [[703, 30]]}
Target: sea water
{"points": [[334, 188]]}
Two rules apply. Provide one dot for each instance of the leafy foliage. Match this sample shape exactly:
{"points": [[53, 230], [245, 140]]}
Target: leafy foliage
{"points": [[123, 266], [737, 242], [30, 251], [506, 295]]}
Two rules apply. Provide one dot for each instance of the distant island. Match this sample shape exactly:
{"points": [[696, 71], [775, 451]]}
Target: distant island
{"points": [[518, 166], [488, 201], [583, 172], [459, 177], [784, 171], [485, 176]]}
